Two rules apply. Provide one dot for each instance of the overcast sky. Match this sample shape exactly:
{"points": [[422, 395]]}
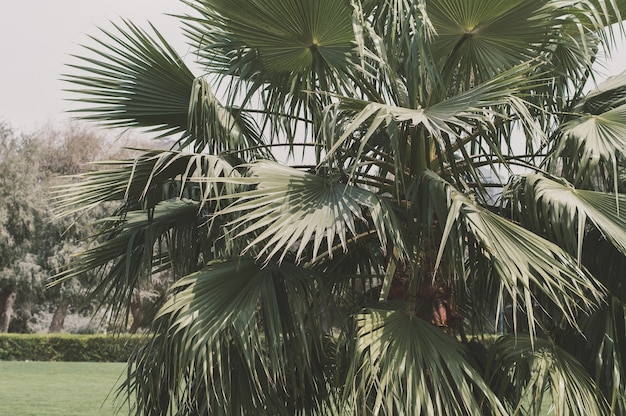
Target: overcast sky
{"points": [[37, 37]]}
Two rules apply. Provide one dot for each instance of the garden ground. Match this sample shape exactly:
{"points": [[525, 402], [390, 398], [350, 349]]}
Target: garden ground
{"points": [[58, 388]]}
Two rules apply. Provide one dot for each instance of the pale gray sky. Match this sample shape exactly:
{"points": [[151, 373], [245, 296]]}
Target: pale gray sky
{"points": [[37, 37]]}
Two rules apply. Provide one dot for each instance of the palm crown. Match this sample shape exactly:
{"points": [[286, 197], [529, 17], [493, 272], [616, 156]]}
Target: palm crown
{"points": [[363, 279]]}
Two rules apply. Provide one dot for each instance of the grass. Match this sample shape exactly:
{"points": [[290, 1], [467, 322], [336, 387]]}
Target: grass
{"points": [[58, 388], [43, 388]]}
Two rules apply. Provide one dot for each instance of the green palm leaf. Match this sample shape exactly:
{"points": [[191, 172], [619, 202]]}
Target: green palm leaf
{"points": [[539, 378], [521, 261], [216, 129], [277, 53], [596, 137], [407, 366], [293, 210], [127, 255], [603, 346], [151, 177], [479, 107], [478, 39], [484, 38], [605, 97], [237, 328], [144, 83], [565, 212], [287, 35], [135, 81]]}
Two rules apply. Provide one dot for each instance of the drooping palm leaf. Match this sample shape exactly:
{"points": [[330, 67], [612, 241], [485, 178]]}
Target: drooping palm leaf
{"points": [[216, 129], [151, 177], [455, 116], [603, 350], [605, 97], [565, 212], [393, 44], [593, 139], [523, 262], [127, 255]]}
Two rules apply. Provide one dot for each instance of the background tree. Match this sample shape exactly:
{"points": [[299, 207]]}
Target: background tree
{"points": [[36, 244], [61, 154], [21, 214], [337, 287]]}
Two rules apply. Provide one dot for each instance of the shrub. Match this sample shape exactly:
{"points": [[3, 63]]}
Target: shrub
{"points": [[68, 347]]}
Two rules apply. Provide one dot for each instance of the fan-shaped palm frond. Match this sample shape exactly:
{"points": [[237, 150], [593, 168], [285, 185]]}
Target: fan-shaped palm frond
{"points": [[605, 97], [278, 51], [293, 210], [539, 377], [138, 82], [145, 83], [224, 308], [477, 40], [592, 139], [485, 37], [407, 366], [287, 36]]}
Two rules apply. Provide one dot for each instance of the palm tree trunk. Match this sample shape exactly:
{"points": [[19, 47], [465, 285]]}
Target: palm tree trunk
{"points": [[434, 302], [7, 300], [58, 319]]}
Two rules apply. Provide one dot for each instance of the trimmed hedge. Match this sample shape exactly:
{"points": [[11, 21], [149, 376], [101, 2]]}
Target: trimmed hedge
{"points": [[69, 347]]}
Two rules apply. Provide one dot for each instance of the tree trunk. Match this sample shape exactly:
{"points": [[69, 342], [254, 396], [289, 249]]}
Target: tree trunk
{"points": [[435, 301], [135, 310], [7, 300], [59, 317]]}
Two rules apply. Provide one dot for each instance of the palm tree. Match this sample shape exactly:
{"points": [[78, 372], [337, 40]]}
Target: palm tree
{"points": [[361, 193]]}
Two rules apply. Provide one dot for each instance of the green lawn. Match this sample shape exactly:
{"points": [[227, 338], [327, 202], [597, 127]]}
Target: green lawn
{"points": [[58, 388], [61, 388]]}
